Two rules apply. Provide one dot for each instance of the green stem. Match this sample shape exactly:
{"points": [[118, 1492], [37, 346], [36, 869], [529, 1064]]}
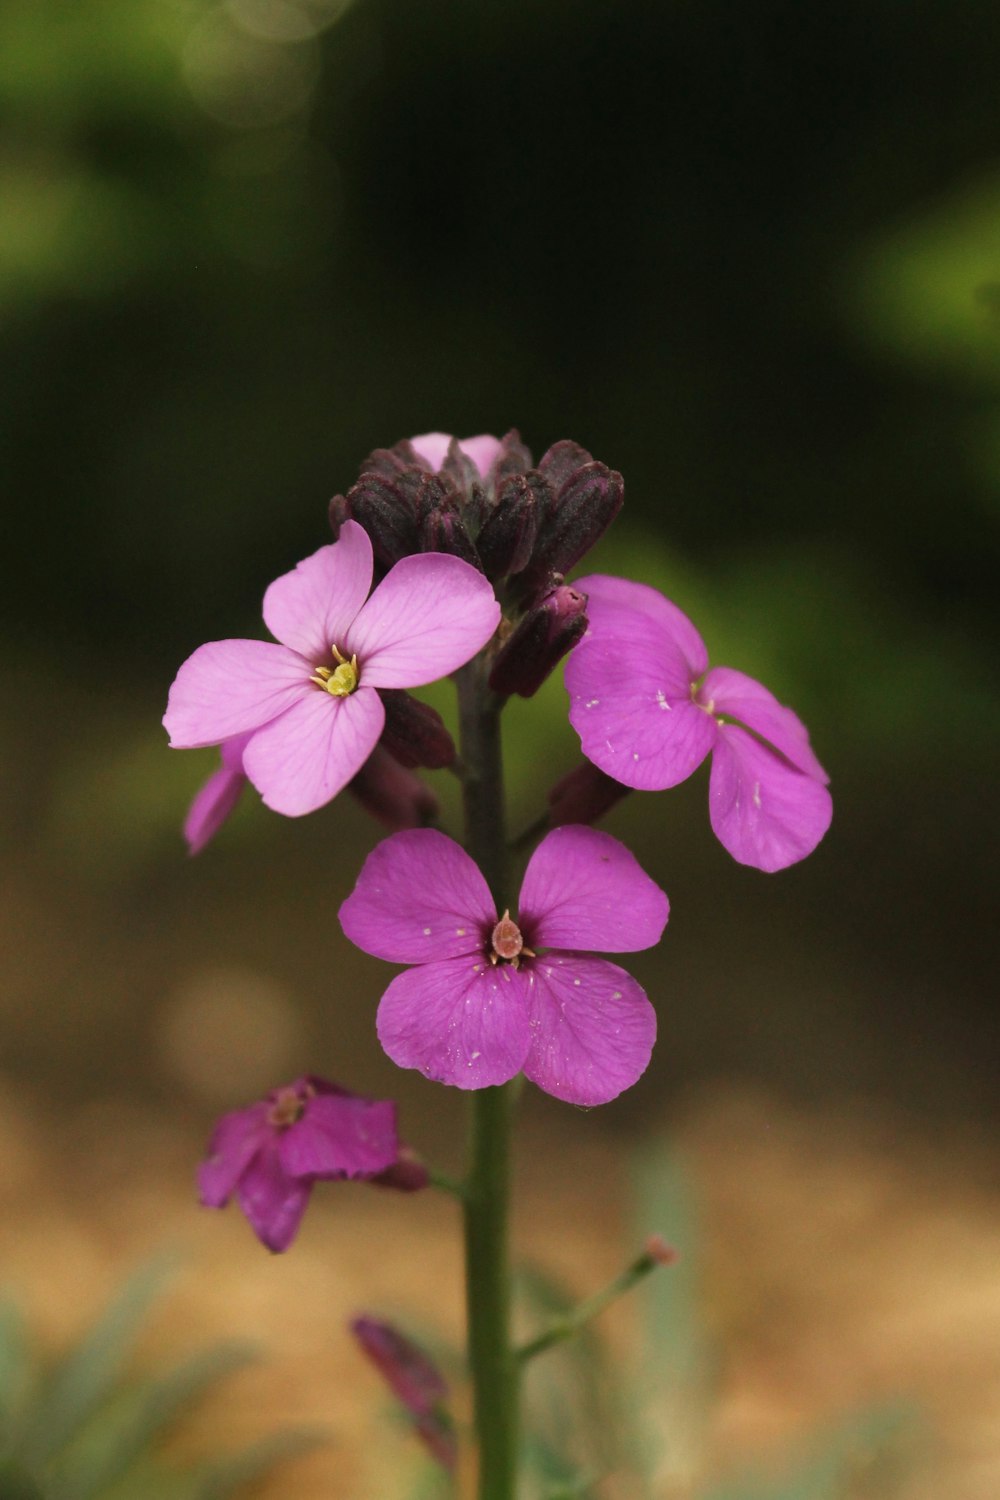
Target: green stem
{"points": [[487, 1185], [579, 1316]]}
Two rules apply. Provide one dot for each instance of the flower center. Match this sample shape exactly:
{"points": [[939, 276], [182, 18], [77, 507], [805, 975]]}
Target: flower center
{"points": [[507, 944], [696, 698], [340, 680], [288, 1106]]}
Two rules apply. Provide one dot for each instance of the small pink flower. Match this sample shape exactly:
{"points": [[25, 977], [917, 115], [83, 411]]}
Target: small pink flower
{"points": [[491, 995], [217, 799], [648, 710], [309, 704], [272, 1153]]}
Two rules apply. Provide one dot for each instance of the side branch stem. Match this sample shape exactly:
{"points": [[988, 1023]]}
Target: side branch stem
{"points": [[487, 1185]]}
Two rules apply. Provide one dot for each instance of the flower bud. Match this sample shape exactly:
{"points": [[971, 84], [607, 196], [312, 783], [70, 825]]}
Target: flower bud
{"points": [[392, 794], [540, 642], [583, 796], [562, 460], [414, 732], [443, 530], [414, 1380], [386, 512], [513, 458], [507, 538], [584, 508]]}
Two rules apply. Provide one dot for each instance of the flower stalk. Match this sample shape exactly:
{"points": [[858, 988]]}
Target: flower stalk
{"points": [[487, 1185], [655, 1254]]}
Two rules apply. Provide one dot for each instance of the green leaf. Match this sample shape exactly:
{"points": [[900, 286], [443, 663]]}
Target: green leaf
{"points": [[87, 1376], [16, 1483]]}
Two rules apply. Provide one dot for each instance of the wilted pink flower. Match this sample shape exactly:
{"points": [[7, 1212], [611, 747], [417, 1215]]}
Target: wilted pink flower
{"points": [[309, 704], [218, 797], [415, 1380], [272, 1153], [489, 995], [648, 710]]}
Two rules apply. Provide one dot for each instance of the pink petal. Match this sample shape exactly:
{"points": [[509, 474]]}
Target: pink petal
{"points": [[340, 1136], [235, 1141], [229, 687], [211, 807], [482, 450], [583, 889], [740, 697], [607, 593], [301, 760], [592, 1028], [432, 447], [630, 703], [272, 1201], [461, 1021], [311, 608], [762, 810], [429, 615], [419, 898]]}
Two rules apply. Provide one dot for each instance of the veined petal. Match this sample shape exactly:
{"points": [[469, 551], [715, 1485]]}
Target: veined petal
{"points": [[740, 697], [340, 1136], [607, 593], [764, 811], [303, 759], [228, 687], [235, 1141], [211, 807], [430, 614], [311, 608], [461, 1021], [592, 1028], [583, 889], [630, 703], [272, 1201], [419, 898]]}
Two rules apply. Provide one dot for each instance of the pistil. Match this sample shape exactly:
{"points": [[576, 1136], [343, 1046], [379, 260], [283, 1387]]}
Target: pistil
{"points": [[340, 680], [507, 944]]}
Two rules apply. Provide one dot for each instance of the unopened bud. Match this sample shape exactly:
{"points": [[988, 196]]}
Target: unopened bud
{"points": [[583, 796], [443, 530], [657, 1249], [415, 1380], [392, 793], [507, 538], [513, 458], [540, 642], [584, 508], [386, 513], [562, 460], [414, 732]]}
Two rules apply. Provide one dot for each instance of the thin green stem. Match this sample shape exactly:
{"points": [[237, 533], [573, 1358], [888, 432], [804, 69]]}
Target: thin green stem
{"points": [[578, 1317], [487, 1185]]}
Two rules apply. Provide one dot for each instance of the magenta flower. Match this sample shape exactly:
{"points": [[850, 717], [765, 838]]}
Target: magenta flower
{"points": [[309, 704], [218, 797], [491, 995], [648, 710], [272, 1153]]}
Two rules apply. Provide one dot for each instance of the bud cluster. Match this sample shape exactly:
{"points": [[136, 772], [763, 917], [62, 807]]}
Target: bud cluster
{"points": [[524, 526]]}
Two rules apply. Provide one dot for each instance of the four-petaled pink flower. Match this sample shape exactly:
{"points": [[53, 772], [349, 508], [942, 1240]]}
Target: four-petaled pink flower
{"points": [[648, 710], [492, 996], [272, 1153], [310, 704]]}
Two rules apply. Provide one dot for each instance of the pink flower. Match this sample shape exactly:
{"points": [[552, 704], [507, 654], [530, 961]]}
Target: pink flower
{"points": [[648, 710], [270, 1154], [489, 995], [217, 799], [309, 704]]}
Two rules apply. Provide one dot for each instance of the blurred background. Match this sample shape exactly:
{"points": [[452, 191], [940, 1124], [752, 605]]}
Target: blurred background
{"points": [[747, 254]]}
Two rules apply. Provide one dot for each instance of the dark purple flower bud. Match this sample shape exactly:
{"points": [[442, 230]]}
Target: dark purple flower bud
{"points": [[507, 538], [340, 511], [391, 461], [562, 460], [540, 642], [584, 508], [513, 458], [392, 794], [414, 732], [415, 1380], [443, 530], [386, 512], [583, 796]]}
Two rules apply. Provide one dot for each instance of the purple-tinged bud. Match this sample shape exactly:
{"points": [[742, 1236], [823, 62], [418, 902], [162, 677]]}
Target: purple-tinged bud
{"points": [[562, 460], [584, 508], [415, 1380], [391, 461], [387, 514], [392, 794], [408, 1174], [443, 530], [414, 732], [507, 538], [340, 511], [513, 458], [583, 796], [540, 642]]}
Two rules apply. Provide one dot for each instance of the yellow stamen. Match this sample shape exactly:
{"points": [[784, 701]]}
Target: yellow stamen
{"points": [[340, 680]]}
